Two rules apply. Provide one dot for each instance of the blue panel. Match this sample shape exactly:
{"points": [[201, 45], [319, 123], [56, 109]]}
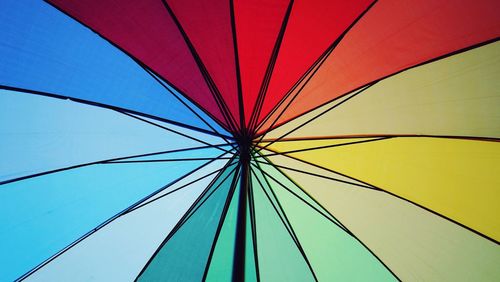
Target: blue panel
{"points": [[202, 115], [40, 133], [213, 139], [44, 50], [42, 215]]}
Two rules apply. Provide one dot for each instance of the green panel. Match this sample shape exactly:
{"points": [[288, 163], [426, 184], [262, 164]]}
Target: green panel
{"points": [[184, 256], [273, 172], [260, 183], [221, 265], [334, 254], [414, 243], [279, 257]]}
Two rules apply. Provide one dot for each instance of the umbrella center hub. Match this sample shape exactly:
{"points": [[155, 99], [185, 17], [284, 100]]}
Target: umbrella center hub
{"points": [[244, 147]]}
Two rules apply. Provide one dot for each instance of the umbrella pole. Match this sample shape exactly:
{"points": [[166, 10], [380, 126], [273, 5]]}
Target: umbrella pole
{"points": [[239, 253]]}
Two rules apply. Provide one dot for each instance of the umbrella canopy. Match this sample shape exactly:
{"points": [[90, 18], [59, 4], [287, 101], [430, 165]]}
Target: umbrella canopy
{"points": [[207, 140]]}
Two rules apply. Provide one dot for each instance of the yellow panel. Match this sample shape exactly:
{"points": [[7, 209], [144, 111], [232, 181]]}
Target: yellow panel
{"points": [[415, 244], [287, 164], [457, 178], [459, 96]]}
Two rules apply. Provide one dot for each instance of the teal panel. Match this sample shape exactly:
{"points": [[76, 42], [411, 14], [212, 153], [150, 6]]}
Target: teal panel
{"points": [[184, 256], [221, 265]]}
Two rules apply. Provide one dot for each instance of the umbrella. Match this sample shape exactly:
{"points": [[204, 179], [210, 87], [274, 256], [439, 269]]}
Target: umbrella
{"points": [[168, 140]]}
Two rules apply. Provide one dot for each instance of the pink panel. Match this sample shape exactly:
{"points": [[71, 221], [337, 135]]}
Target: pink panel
{"points": [[208, 26]]}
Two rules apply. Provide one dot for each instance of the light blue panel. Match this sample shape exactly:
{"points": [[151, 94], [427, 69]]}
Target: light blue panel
{"points": [[41, 133], [119, 251], [203, 136], [201, 173], [44, 50], [196, 153], [42, 215]]}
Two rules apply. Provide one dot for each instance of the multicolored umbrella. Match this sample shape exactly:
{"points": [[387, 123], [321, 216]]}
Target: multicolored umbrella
{"points": [[307, 140]]}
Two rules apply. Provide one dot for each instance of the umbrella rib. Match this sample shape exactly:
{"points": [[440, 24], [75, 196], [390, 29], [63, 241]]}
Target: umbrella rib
{"points": [[254, 229], [192, 209], [318, 175], [185, 104], [103, 224], [304, 201], [174, 190], [313, 69], [346, 97], [320, 61], [238, 71], [174, 131], [210, 83], [139, 62], [103, 162], [442, 216], [475, 138], [323, 147], [270, 68], [204, 200], [167, 160], [219, 226], [285, 221], [340, 224], [305, 192], [321, 167], [109, 107], [309, 120]]}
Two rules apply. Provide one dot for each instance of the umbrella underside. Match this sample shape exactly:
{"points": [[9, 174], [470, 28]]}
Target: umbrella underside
{"points": [[249, 140]]}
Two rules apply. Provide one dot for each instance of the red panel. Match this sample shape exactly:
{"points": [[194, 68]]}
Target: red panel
{"points": [[208, 26], [257, 26], [395, 35], [145, 30], [313, 26]]}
